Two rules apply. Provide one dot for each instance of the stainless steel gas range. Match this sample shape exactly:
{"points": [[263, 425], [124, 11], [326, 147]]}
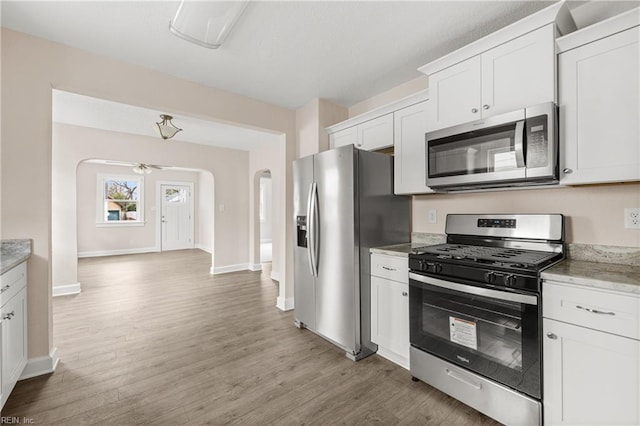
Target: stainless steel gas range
{"points": [[475, 311]]}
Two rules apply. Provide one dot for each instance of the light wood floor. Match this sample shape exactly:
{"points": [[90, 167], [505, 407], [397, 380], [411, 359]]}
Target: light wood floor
{"points": [[154, 339]]}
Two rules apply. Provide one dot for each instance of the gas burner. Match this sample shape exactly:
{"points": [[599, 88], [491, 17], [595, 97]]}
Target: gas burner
{"points": [[488, 255]]}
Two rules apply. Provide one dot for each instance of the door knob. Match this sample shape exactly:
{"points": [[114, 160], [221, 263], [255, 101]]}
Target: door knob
{"points": [[404, 293], [474, 110], [485, 106], [552, 336], [567, 170]]}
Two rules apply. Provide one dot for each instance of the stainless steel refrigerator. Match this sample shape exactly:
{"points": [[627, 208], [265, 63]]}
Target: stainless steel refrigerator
{"points": [[343, 205]]}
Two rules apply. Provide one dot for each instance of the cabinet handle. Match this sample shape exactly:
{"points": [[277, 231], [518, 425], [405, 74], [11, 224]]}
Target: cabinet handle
{"points": [[5, 288], [404, 293], [474, 110], [9, 315], [594, 311], [552, 336], [388, 269], [485, 106], [567, 171]]}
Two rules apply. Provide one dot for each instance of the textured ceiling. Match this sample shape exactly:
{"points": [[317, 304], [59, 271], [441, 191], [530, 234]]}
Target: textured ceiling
{"points": [[285, 53]]}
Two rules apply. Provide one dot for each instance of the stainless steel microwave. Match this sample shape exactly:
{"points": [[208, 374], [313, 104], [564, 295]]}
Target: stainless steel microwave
{"points": [[519, 148]]}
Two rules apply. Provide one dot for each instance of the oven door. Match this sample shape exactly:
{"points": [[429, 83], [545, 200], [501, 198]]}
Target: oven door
{"points": [[492, 332]]}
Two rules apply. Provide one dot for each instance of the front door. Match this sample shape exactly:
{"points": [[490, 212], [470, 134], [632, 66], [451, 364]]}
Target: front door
{"points": [[176, 217]]}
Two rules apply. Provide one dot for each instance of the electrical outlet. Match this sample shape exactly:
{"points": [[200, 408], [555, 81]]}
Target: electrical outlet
{"points": [[433, 216], [632, 218]]}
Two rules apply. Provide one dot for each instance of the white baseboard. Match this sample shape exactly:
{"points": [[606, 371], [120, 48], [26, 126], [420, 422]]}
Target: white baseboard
{"points": [[275, 276], [41, 365], [65, 290], [204, 248], [229, 268], [118, 252], [255, 267], [284, 304]]}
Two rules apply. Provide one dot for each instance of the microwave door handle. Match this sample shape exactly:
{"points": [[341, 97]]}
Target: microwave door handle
{"points": [[519, 144]]}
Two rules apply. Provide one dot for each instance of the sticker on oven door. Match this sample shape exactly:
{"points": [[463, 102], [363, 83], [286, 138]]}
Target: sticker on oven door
{"points": [[463, 332]]}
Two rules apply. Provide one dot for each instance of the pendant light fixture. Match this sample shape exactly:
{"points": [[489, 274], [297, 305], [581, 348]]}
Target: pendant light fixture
{"points": [[166, 128], [206, 23]]}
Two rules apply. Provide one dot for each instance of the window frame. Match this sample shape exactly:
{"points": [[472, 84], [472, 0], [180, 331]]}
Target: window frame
{"points": [[101, 196]]}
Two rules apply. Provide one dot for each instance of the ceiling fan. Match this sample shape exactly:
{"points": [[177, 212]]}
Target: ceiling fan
{"points": [[139, 168]]}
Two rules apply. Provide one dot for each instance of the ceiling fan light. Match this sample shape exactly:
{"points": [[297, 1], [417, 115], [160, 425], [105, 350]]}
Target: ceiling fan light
{"points": [[166, 128], [208, 23], [142, 169]]}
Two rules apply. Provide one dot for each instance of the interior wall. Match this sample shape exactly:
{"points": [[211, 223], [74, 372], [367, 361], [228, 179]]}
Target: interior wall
{"points": [[205, 212], [266, 196], [269, 157], [27, 133], [312, 120], [97, 240], [396, 93]]}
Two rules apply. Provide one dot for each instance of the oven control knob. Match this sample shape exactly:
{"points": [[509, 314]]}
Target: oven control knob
{"points": [[437, 268], [423, 266], [509, 280], [489, 277]]}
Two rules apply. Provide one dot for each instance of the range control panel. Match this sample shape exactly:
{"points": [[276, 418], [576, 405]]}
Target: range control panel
{"points": [[496, 223]]}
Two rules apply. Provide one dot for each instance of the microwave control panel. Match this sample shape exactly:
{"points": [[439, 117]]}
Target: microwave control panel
{"points": [[537, 142]]}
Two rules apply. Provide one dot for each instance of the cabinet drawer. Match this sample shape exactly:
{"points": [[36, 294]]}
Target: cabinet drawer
{"points": [[391, 267], [12, 281], [599, 310]]}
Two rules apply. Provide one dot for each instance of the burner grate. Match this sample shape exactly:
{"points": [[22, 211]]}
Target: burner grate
{"points": [[488, 254]]}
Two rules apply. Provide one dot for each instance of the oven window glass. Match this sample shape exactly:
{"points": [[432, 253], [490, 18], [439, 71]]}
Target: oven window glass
{"points": [[495, 338], [483, 151]]}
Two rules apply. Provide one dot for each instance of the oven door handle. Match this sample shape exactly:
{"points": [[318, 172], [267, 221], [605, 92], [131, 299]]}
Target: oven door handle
{"points": [[527, 299]]}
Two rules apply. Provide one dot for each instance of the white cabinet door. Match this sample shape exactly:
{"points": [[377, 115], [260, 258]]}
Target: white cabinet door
{"points": [[520, 73], [390, 319], [376, 134], [455, 95], [14, 341], [409, 156], [599, 109], [348, 136], [590, 377]]}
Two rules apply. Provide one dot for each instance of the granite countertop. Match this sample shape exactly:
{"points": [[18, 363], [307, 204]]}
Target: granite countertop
{"points": [[400, 250], [605, 276], [13, 253]]}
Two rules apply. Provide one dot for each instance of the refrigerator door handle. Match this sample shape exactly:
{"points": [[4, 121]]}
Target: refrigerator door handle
{"points": [[316, 225], [311, 229]]}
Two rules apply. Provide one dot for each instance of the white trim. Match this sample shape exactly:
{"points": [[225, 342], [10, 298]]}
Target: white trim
{"points": [[118, 252], [255, 267], [557, 14], [192, 212], [266, 240], [41, 365], [284, 304], [275, 276], [407, 101], [599, 30], [203, 248], [65, 290], [229, 268]]}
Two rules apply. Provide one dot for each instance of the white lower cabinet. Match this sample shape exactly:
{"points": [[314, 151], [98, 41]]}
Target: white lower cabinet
{"points": [[390, 308], [13, 329], [591, 376]]}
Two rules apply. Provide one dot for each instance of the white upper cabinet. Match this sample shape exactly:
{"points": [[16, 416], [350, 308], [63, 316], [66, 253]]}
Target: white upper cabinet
{"points": [[409, 159], [455, 94], [511, 76], [599, 97], [519, 73], [375, 134], [344, 137]]}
